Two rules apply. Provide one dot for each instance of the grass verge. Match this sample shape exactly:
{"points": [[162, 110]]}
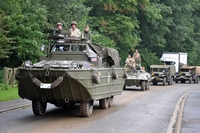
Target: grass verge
{"points": [[9, 94]]}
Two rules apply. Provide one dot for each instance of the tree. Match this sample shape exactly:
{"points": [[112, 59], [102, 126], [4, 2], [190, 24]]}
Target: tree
{"points": [[25, 21]]}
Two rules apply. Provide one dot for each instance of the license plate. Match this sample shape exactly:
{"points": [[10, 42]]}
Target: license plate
{"points": [[45, 86]]}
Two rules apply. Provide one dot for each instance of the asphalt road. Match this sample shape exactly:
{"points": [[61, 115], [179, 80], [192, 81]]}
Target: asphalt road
{"points": [[134, 111]]}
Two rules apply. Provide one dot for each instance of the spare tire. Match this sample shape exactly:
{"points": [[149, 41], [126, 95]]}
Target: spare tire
{"points": [[95, 79], [114, 75], [125, 75]]}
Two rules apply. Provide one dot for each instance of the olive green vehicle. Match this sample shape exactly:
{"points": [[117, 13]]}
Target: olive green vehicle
{"points": [[187, 73], [73, 71], [162, 73]]}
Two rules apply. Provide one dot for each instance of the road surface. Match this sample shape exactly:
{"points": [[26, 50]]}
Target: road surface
{"points": [[134, 111]]}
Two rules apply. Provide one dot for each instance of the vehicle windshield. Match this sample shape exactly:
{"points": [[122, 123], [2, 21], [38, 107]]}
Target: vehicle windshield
{"points": [[185, 70], [157, 69], [69, 47]]}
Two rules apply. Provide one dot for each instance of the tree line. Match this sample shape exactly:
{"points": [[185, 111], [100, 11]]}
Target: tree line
{"points": [[152, 26]]}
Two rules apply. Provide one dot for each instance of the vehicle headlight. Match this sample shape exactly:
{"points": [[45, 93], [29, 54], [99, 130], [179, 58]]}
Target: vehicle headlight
{"points": [[152, 74], [28, 63], [74, 64]]}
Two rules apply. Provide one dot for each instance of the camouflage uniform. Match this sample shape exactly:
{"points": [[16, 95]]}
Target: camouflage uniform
{"points": [[137, 57], [130, 64]]}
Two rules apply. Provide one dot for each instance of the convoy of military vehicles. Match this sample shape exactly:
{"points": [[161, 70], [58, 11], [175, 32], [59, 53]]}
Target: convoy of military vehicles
{"points": [[78, 71]]}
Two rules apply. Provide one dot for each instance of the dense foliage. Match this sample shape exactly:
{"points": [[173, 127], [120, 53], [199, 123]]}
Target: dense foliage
{"points": [[152, 26]]}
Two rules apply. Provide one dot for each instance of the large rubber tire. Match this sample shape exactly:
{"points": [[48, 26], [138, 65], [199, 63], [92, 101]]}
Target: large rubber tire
{"points": [[114, 75], [95, 79], [86, 108], [176, 81], [104, 103], [164, 81], [124, 87], [39, 107], [111, 99], [142, 84], [146, 85], [190, 80]]}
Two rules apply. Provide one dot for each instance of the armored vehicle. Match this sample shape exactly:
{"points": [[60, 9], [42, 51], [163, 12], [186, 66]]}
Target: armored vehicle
{"points": [[187, 73], [73, 71], [138, 78], [163, 73]]}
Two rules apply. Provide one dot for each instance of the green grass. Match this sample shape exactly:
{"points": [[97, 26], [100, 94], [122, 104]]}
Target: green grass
{"points": [[9, 94]]}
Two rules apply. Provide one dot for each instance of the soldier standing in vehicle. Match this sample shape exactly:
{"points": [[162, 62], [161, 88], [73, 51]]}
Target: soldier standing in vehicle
{"points": [[130, 63], [137, 58], [86, 35], [58, 28], [74, 31]]}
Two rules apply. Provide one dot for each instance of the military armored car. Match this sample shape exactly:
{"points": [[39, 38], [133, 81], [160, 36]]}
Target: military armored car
{"points": [[187, 73], [138, 78], [162, 73], [74, 71]]}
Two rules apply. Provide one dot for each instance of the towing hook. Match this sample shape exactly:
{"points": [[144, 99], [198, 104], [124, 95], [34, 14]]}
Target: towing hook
{"points": [[66, 99], [44, 99]]}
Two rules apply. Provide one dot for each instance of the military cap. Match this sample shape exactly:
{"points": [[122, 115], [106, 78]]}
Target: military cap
{"points": [[86, 26], [59, 24], [74, 22]]}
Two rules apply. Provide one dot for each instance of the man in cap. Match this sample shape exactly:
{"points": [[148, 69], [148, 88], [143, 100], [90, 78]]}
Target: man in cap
{"points": [[86, 35], [74, 31], [58, 28]]}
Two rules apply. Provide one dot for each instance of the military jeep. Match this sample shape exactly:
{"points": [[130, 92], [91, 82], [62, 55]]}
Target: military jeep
{"points": [[187, 73], [162, 73], [74, 71]]}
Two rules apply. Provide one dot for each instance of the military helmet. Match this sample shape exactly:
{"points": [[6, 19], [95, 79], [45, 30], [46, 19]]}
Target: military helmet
{"points": [[74, 22], [59, 24], [86, 26]]}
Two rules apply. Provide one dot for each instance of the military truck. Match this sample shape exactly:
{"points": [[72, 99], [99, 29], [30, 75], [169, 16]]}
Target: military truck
{"points": [[187, 73], [162, 73], [74, 71]]}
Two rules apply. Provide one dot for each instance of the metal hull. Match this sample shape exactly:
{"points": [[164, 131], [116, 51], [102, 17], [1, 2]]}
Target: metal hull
{"points": [[77, 85], [136, 78]]}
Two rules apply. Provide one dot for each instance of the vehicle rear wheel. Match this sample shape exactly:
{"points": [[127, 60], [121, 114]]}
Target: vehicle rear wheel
{"points": [[111, 99], [124, 88], [146, 85], [39, 107], [104, 103], [190, 80], [86, 108], [142, 84], [176, 81], [164, 81]]}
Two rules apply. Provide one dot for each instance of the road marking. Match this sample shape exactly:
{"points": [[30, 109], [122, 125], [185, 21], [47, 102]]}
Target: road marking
{"points": [[176, 117]]}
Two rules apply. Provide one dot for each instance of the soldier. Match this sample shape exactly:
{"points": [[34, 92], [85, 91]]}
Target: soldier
{"points": [[74, 31], [86, 35], [137, 57], [130, 63], [58, 28]]}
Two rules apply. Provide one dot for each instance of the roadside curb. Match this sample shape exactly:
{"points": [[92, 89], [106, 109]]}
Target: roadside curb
{"points": [[176, 118], [14, 104]]}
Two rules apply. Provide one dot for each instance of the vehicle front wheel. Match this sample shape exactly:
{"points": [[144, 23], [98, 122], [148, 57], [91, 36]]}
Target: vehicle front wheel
{"points": [[86, 108], [39, 107], [190, 80], [164, 81], [146, 85]]}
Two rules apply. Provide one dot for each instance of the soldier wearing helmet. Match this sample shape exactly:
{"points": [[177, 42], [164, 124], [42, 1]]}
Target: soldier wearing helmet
{"points": [[74, 31], [58, 28], [86, 35]]}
